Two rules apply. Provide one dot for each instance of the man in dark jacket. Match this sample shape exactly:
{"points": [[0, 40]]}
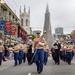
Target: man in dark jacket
{"points": [[57, 51]]}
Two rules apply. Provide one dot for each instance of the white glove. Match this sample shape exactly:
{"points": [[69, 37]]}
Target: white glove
{"points": [[32, 50], [64, 47], [42, 44]]}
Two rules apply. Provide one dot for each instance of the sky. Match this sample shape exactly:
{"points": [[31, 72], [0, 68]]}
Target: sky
{"points": [[62, 13]]}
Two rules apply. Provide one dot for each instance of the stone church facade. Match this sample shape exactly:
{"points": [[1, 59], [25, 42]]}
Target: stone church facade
{"points": [[25, 19]]}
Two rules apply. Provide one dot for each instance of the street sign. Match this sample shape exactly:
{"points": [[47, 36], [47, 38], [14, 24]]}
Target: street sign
{"points": [[2, 25]]}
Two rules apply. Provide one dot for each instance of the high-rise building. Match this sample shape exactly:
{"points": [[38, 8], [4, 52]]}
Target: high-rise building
{"points": [[47, 28], [59, 32], [25, 19]]}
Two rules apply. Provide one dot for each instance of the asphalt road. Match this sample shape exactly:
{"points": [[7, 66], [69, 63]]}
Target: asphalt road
{"points": [[7, 68]]}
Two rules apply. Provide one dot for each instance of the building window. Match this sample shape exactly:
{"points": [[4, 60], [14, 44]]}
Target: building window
{"points": [[22, 22], [26, 22]]}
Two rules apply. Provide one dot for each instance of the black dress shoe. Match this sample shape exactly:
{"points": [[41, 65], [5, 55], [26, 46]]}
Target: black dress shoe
{"points": [[15, 65], [45, 63], [39, 72], [58, 63]]}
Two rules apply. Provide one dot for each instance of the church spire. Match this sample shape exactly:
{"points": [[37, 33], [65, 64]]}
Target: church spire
{"points": [[20, 9], [24, 9], [29, 10], [47, 8]]}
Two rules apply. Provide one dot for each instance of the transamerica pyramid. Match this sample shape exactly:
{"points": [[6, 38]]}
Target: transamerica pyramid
{"points": [[47, 32]]}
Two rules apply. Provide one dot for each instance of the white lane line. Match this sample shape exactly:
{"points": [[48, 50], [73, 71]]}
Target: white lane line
{"points": [[29, 73]]}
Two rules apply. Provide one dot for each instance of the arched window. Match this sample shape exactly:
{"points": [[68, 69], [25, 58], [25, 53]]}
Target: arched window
{"points": [[26, 22], [22, 22]]}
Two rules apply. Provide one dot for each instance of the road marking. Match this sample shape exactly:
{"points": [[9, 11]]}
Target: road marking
{"points": [[29, 73]]}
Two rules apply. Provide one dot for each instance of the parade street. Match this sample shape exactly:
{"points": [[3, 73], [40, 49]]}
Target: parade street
{"points": [[7, 68]]}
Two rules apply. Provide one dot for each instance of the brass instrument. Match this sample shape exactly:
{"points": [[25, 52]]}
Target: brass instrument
{"points": [[38, 40], [69, 47], [55, 47]]}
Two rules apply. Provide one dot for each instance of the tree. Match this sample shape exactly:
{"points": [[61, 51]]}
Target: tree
{"points": [[33, 36]]}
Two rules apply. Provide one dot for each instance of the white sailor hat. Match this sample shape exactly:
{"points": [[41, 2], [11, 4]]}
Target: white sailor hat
{"points": [[38, 32], [57, 39], [69, 41]]}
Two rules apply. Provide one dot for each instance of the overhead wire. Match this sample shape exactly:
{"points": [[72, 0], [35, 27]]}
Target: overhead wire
{"points": [[22, 1], [16, 4], [11, 6]]}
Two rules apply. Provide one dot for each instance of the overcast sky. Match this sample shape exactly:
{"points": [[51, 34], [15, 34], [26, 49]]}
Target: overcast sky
{"points": [[62, 12]]}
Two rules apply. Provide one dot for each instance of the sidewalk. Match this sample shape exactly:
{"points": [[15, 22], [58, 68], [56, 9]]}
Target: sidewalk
{"points": [[7, 64]]}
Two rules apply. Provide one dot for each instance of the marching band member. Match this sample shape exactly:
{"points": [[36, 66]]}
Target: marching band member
{"points": [[57, 51], [69, 49], [21, 47], [38, 45], [53, 52], [61, 52], [24, 55], [15, 49], [1, 52], [64, 51], [29, 54], [46, 53]]}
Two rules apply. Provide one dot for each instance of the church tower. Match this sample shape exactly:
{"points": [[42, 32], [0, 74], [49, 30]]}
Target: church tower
{"points": [[47, 28], [25, 19]]}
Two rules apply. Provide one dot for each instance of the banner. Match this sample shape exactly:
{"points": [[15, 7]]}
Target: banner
{"points": [[13, 30], [7, 32], [2, 25], [8, 25], [73, 39]]}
